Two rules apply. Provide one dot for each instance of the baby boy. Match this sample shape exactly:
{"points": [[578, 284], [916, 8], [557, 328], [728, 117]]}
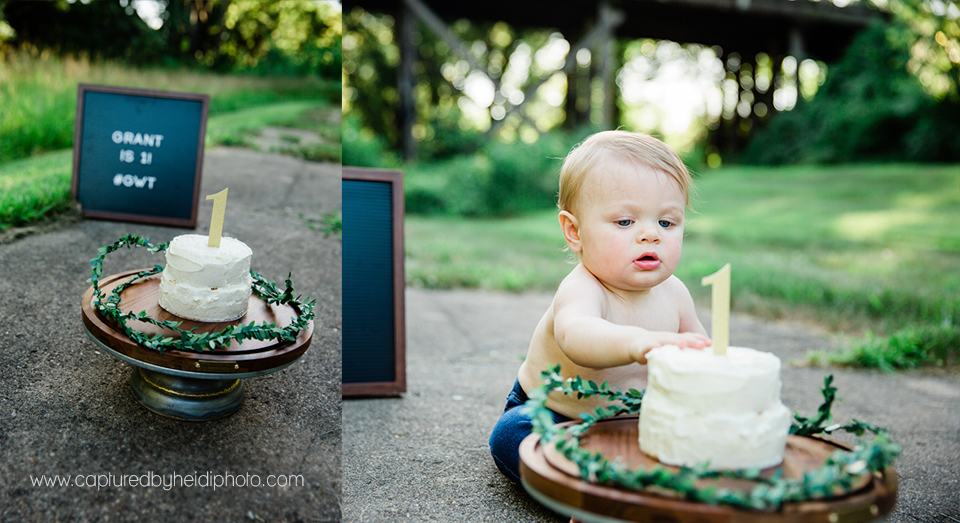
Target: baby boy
{"points": [[623, 197]]}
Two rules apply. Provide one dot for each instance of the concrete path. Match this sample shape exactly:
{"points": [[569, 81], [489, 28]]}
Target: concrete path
{"points": [[66, 408], [424, 456]]}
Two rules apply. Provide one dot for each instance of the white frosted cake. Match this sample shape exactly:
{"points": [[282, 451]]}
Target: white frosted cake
{"points": [[702, 407], [209, 284]]}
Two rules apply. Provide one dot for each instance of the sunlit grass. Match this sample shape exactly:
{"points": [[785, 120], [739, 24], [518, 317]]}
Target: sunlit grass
{"points": [[896, 206], [513, 254], [932, 345], [35, 187]]}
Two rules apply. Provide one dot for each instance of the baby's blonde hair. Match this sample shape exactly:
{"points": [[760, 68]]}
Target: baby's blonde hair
{"points": [[623, 145]]}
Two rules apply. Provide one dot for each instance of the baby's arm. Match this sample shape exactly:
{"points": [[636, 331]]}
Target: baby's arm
{"points": [[590, 341]]}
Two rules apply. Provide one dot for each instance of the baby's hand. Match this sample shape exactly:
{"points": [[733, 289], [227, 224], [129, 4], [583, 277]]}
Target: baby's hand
{"points": [[653, 340]]}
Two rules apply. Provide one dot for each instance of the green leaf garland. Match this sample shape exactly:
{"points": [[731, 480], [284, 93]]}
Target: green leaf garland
{"points": [[841, 470], [189, 340]]}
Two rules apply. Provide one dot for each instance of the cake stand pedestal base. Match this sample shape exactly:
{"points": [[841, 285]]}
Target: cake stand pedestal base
{"points": [[180, 397]]}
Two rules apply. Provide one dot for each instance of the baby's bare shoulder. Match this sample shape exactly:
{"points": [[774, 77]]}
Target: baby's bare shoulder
{"points": [[580, 289], [580, 283], [678, 293], [675, 288]]}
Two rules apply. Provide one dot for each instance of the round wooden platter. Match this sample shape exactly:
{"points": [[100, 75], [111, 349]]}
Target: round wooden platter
{"points": [[250, 356], [553, 479]]}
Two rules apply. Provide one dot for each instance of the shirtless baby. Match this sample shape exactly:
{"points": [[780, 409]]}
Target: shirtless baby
{"points": [[623, 198]]}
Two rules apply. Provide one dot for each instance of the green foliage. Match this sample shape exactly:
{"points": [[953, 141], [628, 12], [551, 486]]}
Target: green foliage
{"points": [[268, 37], [276, 38], [363, 148], [320, 152], [446, 121], [839, 472], [869, 109], [447, 140], [931, 32], [456, 186], [109, 307], [904, 349], [104, 30], [523, 176], [330, 224], [33, 189], [804, 426], [370, 69], [500, 179]]}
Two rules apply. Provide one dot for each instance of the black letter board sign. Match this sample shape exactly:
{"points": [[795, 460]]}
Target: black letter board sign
{"points": [[137, 154], [374, 328]]}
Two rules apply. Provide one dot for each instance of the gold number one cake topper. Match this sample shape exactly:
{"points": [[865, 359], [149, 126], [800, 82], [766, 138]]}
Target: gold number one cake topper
{"points": [[720, 308], [216, 220]]}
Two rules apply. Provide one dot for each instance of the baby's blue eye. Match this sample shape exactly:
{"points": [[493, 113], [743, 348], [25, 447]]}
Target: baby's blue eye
{"points": [[624, 223], [664, 223]]}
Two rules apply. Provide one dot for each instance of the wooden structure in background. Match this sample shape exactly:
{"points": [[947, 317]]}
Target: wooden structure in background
{"points": [[779, 28]]}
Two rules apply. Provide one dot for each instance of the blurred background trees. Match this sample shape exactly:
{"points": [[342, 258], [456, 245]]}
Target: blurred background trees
{"points": [[243, 53], [289, 37], [893, 96]]}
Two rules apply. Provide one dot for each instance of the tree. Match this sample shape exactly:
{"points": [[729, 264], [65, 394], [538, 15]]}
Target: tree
{"points": [[99, 29], [871, 108], [930, 31], [295, 37]]}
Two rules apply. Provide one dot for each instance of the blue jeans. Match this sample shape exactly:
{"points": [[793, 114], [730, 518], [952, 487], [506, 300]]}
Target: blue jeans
{"points": [[511, 429]]}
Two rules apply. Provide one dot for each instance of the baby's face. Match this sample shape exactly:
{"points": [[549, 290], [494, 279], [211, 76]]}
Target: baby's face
{"points": [[631, 225]]}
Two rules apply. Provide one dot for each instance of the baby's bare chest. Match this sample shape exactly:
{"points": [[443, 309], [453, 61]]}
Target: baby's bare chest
{"points": [[661, 314]]}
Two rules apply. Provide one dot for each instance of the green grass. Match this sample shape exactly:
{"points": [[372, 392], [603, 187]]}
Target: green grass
{"points": [[38, 95], [909, 206], [854, 248], [33, 188], [238, 128], [905, 349], [234, 128], [514, 254], [330, 224], [863, 246], [319, 152]]}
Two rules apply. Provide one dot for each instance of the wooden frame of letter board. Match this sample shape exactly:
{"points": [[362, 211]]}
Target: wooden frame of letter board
{"points": [[399, 383], [204, 99]]}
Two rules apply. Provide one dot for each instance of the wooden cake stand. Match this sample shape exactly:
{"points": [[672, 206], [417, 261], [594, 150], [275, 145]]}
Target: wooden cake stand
{"points": [[554, 481], [184, 384]]}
